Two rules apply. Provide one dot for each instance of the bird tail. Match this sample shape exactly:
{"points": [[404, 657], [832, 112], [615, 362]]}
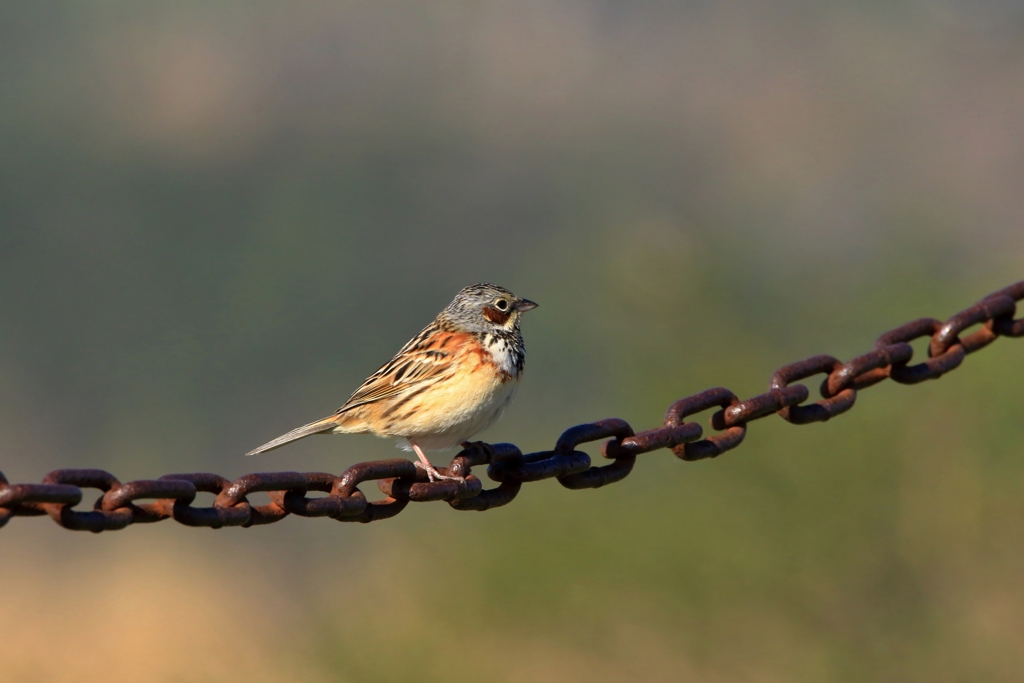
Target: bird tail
{"points": [[325, 425]]}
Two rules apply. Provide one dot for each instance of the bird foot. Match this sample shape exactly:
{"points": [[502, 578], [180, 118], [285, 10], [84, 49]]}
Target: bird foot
{"points": [[433, 475]]}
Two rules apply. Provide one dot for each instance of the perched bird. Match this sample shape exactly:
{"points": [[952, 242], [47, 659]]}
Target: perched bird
{"points": [[452, 380]]}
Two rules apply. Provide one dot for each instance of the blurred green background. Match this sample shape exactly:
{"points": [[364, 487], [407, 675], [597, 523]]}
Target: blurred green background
{"points": [[217, 218]]}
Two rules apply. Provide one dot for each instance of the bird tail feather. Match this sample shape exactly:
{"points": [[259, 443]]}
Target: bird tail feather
{"points": [[325, 425]]}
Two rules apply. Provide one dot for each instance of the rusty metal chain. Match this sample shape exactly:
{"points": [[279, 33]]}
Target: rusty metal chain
{"points": [[402, 482]]}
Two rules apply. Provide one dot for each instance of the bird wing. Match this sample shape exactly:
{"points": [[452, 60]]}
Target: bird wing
{"points": [[419, 362]]}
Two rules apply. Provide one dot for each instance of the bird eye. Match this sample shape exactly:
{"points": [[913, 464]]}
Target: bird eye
{"points": [[501, 304]]}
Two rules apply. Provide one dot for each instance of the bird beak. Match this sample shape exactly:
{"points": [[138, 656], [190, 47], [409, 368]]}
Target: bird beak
{"points": [[524, 305]]}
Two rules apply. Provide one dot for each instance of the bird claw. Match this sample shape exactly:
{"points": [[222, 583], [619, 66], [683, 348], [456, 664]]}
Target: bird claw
{"points": [[434, 476]]}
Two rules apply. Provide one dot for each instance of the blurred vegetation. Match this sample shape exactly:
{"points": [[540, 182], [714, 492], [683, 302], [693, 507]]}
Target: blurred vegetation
{"points": [[216, 220]]}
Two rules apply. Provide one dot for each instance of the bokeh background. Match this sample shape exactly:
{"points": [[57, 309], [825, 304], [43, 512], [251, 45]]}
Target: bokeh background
{"points": [[217, 218]]}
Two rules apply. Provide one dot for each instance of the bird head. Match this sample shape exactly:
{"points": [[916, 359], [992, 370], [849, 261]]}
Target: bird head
{"points": [[487, 308]]}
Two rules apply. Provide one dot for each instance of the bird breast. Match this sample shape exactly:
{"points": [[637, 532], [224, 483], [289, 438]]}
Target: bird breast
{"points": [[468, 402]]}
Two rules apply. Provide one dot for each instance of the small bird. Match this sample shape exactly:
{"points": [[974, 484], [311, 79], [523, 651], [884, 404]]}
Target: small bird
{"points": [[453, 379]]}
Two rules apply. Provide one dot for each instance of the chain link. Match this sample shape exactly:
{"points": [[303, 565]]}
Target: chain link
{"points": [[402, 482]]}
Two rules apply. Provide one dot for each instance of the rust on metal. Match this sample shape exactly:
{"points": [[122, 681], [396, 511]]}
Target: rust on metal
{"points": [[827, 407], [713, 446], [762, 405], [932, 368], [867, 370], [480, 453], [402, 482]]}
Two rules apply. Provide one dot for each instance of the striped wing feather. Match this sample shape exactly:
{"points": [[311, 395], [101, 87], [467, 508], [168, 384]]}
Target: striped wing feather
{"points": [[420, 361]]}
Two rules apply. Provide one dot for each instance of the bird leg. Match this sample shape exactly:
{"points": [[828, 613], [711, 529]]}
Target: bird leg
{"points": [[424, 464]]}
